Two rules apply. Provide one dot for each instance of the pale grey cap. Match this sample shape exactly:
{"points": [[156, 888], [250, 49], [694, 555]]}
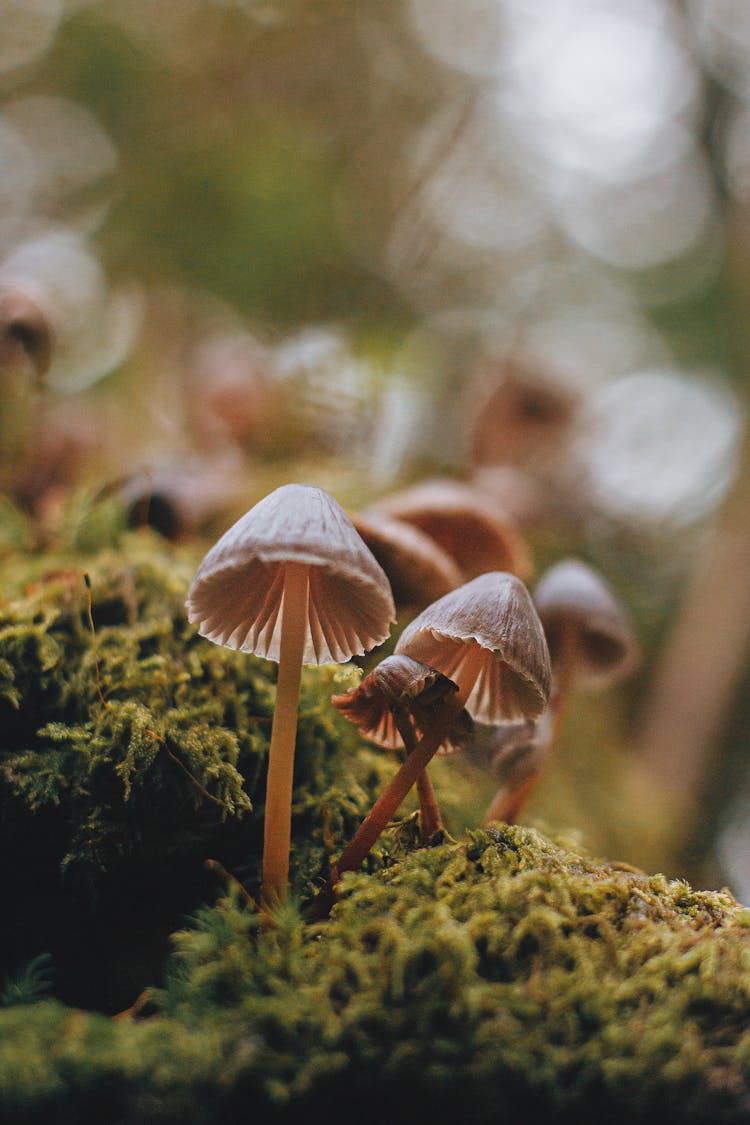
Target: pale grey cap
{"points": [[486, 636], [588, 631], [236, 596]]}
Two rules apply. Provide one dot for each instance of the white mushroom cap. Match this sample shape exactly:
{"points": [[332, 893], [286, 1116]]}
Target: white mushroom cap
{"points": [[589, 634], [487, 638], [236, 595]]}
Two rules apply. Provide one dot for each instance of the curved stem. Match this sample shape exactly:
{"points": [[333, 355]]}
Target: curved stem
{"points": [[278, 816]]}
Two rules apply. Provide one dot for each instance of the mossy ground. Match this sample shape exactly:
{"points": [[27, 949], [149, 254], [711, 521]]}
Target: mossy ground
{"points": [[464, 982]]}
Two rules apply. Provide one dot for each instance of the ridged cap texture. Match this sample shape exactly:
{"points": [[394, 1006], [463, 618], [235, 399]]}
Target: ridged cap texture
{"points": [[236, 596]]}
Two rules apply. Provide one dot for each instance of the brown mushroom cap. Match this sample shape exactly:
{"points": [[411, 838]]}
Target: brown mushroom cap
{"points": [[237, 592], [24, 332], [473, 531], [522, 413], [178, 497], [487, 638], [419, 570], [399, 682], [588, 632]]}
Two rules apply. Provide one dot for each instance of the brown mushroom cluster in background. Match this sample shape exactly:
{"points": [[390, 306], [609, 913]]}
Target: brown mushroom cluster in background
{"points": [[418, 568], [473, 531]]}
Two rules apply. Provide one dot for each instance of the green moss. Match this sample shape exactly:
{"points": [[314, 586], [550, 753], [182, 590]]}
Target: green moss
{"points": [[463, 982], [132, 750], [497, 973]]}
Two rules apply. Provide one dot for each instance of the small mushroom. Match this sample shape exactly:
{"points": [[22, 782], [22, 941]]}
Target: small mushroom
{"points": [[393, 706], [513, 754], [589, 634], [419, 570], [477, 535], [177, 498], [522, 414], [25, 351], [25, 334], [293, 582], [592, 646], [487, 638]]}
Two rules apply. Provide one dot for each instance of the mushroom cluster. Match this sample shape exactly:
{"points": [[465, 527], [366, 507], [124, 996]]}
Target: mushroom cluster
{"points": [[295, 581]]}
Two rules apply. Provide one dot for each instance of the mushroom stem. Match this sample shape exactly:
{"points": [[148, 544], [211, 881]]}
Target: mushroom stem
{"points": [[278, 816], [510, 798], [430, 820], [429, 811], [506, 805], [391, 797]]}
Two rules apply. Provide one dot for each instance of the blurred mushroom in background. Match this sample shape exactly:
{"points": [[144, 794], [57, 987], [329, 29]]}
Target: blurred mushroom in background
{"points": [[182, 497], [418, 569], [61, 330], [93, 326], [477, 534], [521, 438], [592, 647], [231, 396], [25, 353]]}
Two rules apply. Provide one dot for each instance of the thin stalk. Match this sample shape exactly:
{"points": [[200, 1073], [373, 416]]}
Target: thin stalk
{"points": [[430, 820], [278, 818], [505, 806], [389, 800]]}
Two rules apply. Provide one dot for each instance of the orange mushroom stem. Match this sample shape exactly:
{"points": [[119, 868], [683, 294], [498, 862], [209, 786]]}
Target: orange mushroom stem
{"points": [[359, 847], [392, 706]]}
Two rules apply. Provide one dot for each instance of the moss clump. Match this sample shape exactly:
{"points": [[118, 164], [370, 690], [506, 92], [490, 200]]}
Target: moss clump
{"points": [[131, 751], [463, 982], [499, 974]]}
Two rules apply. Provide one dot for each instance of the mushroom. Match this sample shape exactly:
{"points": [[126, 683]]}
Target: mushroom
{"points": [[25, 334], [487, 638], [293, 582], [590, 637], [522, 414], [392, 707], [513, 754], [474, 532], [592, 646], [419, 570], [177, 498], [25, 352]]}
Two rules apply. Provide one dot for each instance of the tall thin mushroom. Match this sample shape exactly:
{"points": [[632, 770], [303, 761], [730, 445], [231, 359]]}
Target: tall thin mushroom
{"points": [[290, 581], [487, 638]]}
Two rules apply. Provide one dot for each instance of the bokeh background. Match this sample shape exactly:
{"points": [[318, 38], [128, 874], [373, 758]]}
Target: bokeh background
{"points": [[363, 244]]}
